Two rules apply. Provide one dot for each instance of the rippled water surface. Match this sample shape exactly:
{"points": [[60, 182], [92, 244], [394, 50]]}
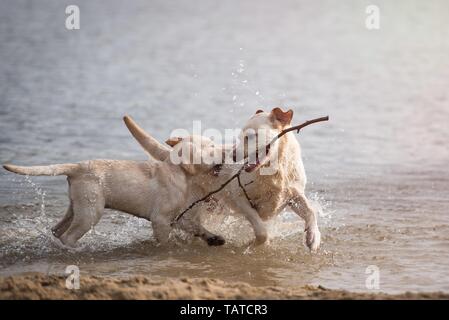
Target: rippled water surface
{"points": [[377, 171]]}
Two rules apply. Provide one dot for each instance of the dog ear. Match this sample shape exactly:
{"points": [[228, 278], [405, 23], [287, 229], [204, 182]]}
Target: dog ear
{"points": [[283, 117], [173, 141], [259, 111], [187, 162], [189, 168]]}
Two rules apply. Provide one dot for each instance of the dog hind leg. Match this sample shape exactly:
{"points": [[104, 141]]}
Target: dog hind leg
{"points": [[64, 224], [88, 206]]}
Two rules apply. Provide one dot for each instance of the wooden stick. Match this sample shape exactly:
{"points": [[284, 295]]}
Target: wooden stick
{"points": [[245, 193], [208, 195], [298, 127]]}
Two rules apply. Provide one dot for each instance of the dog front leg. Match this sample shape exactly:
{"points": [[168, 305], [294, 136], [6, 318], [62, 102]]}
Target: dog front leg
{"points": [[192, 225], [161, 229], [260, 231], [300, 205]]}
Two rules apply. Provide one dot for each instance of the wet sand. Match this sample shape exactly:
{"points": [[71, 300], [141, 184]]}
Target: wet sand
{"points": [[40, 286]]}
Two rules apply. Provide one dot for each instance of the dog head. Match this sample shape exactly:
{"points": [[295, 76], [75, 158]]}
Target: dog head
{"points": [[195, 154], [257, 134]]}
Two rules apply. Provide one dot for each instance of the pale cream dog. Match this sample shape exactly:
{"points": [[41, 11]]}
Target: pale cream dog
{"points": [[269, 193], [154, 190]]}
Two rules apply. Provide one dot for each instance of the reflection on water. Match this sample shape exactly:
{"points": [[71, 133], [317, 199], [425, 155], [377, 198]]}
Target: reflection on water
{"points": [[377, 171]]}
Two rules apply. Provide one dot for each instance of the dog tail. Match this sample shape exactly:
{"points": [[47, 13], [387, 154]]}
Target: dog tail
{"points": [[51, 170], [156, 149]]}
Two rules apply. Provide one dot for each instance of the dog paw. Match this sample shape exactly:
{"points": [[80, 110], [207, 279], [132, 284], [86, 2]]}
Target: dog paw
{"points": [[313, 238], [215, 241], [261, 239]]}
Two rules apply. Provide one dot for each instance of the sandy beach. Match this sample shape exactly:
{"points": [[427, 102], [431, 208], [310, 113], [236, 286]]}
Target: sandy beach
{"points": [[40, 286]]}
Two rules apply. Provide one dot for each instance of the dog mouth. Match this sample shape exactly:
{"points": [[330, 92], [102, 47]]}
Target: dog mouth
{"points": [[250, 167]]}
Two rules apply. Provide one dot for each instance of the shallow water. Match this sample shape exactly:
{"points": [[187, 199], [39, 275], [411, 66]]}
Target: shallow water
{"points": [[377, 171]]}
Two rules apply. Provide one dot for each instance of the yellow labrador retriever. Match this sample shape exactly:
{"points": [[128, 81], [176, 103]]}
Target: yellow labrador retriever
{"points": [[154, 190]]}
